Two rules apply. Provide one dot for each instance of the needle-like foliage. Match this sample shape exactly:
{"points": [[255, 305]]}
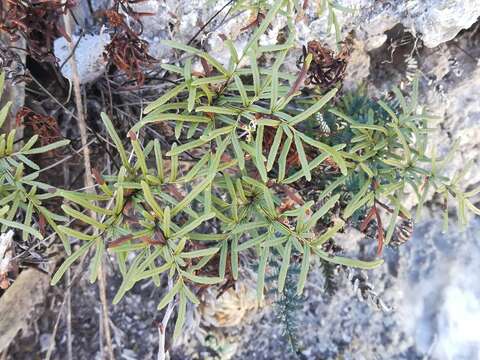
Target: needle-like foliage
{"points": [[255, 143], [21, 194]]}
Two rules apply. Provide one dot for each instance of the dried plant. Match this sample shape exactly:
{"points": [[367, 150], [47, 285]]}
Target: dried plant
{"points": [[22, 195], [37, 22], [325, 69], [46, 127], [127, 50]]}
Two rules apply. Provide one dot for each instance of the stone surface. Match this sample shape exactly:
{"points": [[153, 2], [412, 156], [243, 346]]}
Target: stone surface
{"points": [[435, 21], [89, 56], [430, 283], [20, 304]]}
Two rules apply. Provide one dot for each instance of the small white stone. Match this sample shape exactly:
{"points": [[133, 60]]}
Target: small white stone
{"points": [[88, 55]]}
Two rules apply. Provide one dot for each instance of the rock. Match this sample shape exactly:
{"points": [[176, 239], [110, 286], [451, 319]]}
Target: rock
{"points": [[358, 68], [441, 21], [434, 294], [436, 21], [19, 305], [89, 56]]}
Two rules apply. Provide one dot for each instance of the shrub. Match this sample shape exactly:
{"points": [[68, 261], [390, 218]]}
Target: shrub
{"points": [[247, 143], [22, 195]]}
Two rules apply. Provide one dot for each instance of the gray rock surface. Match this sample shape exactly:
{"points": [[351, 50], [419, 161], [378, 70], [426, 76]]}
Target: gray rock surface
{"points": [[89, 56], [433, 21], [432, 285]]}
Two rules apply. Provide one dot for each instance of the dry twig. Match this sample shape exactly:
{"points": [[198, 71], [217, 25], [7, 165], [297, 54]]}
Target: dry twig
{"points": [[89, 181], [162, 327]]}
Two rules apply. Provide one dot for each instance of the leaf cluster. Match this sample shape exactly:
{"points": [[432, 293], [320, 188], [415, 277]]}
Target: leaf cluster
{"points": [[164, 215], [159, 215], [21, 193]]}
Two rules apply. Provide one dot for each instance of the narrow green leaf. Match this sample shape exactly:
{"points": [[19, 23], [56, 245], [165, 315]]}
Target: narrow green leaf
{"points": [[171, 117], [360, 264], [192, 225], [314, 108], [389, 110], [354, 206], [97, 260], [213, 134], [75, 234], [170, 295], [223, 259], [82, 217], [139, 154], [241, 90], [186, 147], [165, 97], [329, 204], [358, 196], [218, 110], [234, 257], [166, 221], [264, 25], [192, 93], [116, 139], [196, 168], [69, 261], [247, 227], [182, 309], [282, 161], [191, 196], [282, 275], [262, 267], [153, 272], [252, 242], [4, 112], [147, 193], [204, 280], [23, 227], [209, 80], [272, 155], [47, 148], [255, 73], [30, 143], [328, 234], [190, 295], [336, 156], [259, 154], [2, 84], [27, 162], [302, 278], [192, 50], [238, 152], [233, 53], [199, 253], [302, 157]]}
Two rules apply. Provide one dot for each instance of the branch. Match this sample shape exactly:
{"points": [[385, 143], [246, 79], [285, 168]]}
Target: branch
{"points": [[89, 184], [162, 327]]}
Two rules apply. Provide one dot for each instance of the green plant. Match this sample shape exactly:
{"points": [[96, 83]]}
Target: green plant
{"points": [[252, 139], [255, 141], [287, 305], [21, 194]]}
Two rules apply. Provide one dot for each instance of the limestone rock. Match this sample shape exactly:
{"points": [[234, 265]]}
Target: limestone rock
{"points": [[89, 56]]}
